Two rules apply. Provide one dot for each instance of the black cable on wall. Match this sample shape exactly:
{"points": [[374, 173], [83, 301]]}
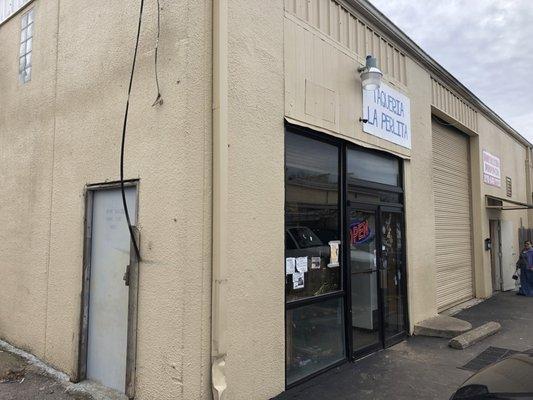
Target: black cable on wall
{"points": [[159, 98], [126, 211]]}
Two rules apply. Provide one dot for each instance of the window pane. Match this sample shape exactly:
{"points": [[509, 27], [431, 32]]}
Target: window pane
{"points": [[289, 242], [29, 45], [27, 75], [315, 338], [22, 64], [372, 167], [311, 215], [30, 16], [365, 195], [24, 20], [22, 50], [30, 30], [23, 35], [392, 259]]}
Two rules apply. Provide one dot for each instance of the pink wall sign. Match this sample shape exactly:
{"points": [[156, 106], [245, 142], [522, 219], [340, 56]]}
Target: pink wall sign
{"points": [[491, 169]]}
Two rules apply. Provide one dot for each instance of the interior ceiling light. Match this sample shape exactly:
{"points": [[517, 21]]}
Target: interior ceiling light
{"points": [[370, 74]]}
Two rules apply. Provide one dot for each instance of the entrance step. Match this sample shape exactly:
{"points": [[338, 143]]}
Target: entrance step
{"points": [[475, 335], [442, 326]]}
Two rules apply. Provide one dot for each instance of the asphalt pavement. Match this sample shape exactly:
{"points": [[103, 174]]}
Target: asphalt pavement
{"points": [[423, 367]]}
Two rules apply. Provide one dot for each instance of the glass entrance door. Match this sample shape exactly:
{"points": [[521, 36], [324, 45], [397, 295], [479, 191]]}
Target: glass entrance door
{"points": [[392, 276], [375, 255], [363, 247]]}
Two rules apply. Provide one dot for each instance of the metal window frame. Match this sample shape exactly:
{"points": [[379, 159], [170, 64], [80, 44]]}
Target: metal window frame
{"points": [[24, 77], [345, 291], [295, 129], [131, 351]]}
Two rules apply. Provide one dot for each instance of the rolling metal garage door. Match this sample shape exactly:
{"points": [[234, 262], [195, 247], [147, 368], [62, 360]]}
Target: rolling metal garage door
{"points": [[453, 222]]}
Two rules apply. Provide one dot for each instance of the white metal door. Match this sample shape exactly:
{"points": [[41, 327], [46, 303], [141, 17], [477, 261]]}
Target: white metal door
{"points": [[453, 226], [496, 255], [108, 294], [509, 254]]}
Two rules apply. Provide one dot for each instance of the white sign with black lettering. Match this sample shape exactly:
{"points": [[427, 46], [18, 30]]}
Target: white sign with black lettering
{"points": [[388, 115], [491, 169]]}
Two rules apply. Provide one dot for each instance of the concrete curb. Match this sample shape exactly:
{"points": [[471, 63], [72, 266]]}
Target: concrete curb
{"points": [[474, 336], [442, 326]]}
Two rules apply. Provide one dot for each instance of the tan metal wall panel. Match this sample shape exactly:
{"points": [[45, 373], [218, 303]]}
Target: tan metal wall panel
{"points": [[339, 22], [453, 221], [450, 103]]}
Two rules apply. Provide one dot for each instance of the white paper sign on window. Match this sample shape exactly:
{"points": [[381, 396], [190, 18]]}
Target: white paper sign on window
{"points": [[388, 115], [491, 169]]}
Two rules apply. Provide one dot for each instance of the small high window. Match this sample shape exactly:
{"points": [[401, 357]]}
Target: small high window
{"points": [[26, 45]]}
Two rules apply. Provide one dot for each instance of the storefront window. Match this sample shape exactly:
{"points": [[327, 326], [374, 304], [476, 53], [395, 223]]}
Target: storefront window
{"points": [[368, 196], [316, 296], [372, 167], [315, 338], [311, 217]]}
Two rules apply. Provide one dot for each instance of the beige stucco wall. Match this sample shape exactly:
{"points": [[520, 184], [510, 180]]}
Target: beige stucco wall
{"points": [[419, 201], [255, 362], [26, 135], [512, 156], [62, 131]]}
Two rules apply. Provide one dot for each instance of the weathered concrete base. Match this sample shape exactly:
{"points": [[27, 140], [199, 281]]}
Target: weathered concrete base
{"points": [[475, 335], [10, 366], [17, 365], [442, 326], [94, 391]]}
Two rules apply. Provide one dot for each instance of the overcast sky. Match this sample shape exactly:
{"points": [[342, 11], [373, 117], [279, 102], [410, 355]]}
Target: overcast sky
{"points": [[486, 44]]}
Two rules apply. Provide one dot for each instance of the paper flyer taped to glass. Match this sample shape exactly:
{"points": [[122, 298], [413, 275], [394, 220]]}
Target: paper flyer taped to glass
{"points": [[290, 265], [298, 280], [334, 246], [301, 264]]}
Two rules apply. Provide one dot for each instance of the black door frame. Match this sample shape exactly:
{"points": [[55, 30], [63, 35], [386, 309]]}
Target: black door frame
{"points": [[345, 292], [350, 206], [384, 341], [387, 342]]}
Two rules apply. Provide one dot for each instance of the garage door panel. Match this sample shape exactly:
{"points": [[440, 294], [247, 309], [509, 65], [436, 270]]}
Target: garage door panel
{"points": [[453, 224]]}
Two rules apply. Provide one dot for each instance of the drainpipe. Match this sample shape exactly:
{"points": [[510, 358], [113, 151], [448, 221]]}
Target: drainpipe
{"points": [[220, 198], [529, 187]]}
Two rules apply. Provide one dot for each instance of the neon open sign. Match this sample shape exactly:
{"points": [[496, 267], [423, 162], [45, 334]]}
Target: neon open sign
{"points": [[360, 232]]}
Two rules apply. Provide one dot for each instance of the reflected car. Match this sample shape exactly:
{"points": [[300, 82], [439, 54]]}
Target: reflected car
{"points": [[511, 378], [302, 241]]}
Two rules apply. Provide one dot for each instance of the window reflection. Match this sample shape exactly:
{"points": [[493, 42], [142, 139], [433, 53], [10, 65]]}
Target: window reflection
{"points": [[311, 215], [372, 167], [369, 196], [315, 338], [392, 262]]}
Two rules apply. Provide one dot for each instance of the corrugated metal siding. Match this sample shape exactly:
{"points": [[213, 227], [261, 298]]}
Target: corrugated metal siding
{"points": [[335, 20], [453, 222], [447, 101]]}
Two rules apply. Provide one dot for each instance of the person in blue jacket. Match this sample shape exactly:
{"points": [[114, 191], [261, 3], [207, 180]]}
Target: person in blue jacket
{"points": [[525, 265]]}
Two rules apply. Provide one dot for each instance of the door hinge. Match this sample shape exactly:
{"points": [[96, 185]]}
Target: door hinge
{"points": [[126, 277]]}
